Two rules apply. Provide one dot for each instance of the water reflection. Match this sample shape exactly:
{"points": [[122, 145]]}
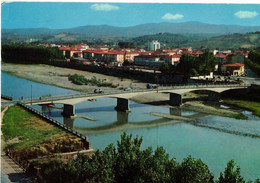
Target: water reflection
{"points": [[175, 111], [18, 87], [46, 109], [122, 116], [181, 112], [69, 122]]}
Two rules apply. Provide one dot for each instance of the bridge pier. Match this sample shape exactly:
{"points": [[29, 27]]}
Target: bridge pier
{"points": [[122, 117], [175, 112], [213, 96], [69, 122], [68, 110], [122, 105], [175, 99]]}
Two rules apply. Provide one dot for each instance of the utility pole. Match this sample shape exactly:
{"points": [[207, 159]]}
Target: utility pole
{"points": [[157, 83], [31, 94]]}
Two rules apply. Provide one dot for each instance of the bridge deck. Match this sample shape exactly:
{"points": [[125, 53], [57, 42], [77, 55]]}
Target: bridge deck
{"points": [[77, 98]]}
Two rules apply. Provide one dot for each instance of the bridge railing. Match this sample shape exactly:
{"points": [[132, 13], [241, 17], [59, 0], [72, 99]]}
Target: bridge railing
{"points": [[6, 97], [160, 88]]}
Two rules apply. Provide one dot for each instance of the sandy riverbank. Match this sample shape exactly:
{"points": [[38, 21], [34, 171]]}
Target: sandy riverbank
{"points": [[59, 76]]}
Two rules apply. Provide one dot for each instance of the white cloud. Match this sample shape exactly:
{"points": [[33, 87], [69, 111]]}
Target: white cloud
{"points": [[104, 7], [169, 16], [246, 14]]}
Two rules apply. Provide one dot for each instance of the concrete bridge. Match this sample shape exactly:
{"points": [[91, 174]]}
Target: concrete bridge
{"points": [[123, 97]]}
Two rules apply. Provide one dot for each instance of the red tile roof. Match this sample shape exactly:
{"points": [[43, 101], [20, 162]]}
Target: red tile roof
{"points": [[233, 65], [224, 57], [69, 48]]}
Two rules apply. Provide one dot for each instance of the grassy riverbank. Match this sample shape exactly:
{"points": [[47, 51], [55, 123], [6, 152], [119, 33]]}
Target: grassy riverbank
{"points": [[248, 105], [29, 136], [207, 109]]}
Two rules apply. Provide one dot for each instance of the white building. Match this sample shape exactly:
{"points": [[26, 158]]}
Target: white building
{"points": [[154, 45]]}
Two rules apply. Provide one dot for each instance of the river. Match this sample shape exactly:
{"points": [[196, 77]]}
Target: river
{"points": [[213, 139]]}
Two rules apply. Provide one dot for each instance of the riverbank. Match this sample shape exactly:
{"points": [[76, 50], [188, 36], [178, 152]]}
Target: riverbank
{"points": [[208, 109], [198, 106], [247, 105], [40, 139], [58, 76]]}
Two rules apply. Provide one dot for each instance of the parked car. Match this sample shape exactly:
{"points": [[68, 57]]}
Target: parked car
{"points": [[150, 86], [98, 91], [127, 89]]}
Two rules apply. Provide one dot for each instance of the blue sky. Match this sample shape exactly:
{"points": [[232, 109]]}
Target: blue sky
{"points": [[67, 15]]}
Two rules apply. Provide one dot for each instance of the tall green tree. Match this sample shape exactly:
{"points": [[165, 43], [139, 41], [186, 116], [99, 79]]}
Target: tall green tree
{"points": [[231, 174], [28, 53], [206, 63], [187, 63], [193, 171]]}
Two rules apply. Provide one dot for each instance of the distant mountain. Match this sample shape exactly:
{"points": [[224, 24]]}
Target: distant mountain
{"points": [[140, 30]]}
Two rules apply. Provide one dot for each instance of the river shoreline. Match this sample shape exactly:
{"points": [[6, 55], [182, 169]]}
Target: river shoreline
{"points": [[57, 76]]}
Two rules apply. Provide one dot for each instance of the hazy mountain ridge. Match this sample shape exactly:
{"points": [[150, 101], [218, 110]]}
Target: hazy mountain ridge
{"points": [[143, 29]]}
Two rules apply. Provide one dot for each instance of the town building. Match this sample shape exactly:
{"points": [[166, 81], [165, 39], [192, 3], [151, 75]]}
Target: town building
{"points": [[156, 59], [235, 69], [69, 52], [154, 45], [148, 60]]}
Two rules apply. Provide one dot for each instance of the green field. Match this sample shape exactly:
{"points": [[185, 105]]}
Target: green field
{"points": [[248, 105], [25, 133]]}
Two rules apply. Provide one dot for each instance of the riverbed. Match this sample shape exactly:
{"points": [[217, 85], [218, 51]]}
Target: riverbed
{"points": [[212, 138]]}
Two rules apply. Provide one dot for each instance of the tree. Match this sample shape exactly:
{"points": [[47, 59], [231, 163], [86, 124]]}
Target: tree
{"points": [[126, 45], [165, 68], [126, 63], [127, 158], [191, 171], [193, 72], [187, 62], [29, 53], [128, 163], [206, 63], [231, 175]]}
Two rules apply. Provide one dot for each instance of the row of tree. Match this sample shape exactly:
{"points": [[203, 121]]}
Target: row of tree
{"points": [[191, 65], [29, 53], [253, 61], [128, 163]]}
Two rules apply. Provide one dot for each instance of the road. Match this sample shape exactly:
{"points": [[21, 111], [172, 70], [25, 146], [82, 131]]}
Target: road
{"points": [[249, 80]]}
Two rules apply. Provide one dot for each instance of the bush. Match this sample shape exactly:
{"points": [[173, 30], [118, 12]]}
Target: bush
{"points": [[81, 80]]}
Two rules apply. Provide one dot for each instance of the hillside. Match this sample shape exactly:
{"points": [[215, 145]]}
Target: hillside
{"points": [[170, 40], [230, 41], [61, 38], [167, 40], [140, 30]]}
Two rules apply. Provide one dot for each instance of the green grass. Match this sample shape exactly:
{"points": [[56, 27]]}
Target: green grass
{"points": [[21, 124], [248, 105], [238, 116]]}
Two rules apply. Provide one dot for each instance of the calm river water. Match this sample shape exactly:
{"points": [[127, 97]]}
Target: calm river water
{"points": [[213, 146]]}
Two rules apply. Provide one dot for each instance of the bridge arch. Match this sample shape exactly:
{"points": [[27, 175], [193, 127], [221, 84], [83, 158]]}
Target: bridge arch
{"points": [[214, 94]]}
